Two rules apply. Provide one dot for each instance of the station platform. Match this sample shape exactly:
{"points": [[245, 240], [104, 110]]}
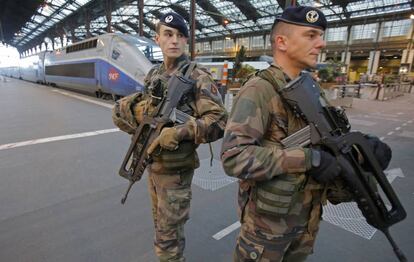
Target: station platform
{"points": [[60, 191]]}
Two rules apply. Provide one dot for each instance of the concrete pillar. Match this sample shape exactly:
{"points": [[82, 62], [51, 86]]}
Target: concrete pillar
{"points": [[373, 62], [322, 57], [404, 56], [410, 60]]}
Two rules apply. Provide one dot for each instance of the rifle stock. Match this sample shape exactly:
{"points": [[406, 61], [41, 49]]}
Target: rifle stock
{"points": [[330, 130], [166, 114]]}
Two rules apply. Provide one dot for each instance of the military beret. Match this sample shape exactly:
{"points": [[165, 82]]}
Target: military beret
{"points": [[303, 16], [175, 21]]}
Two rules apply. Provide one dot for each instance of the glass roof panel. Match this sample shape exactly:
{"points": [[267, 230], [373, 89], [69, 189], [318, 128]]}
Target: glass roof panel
{"points": [[55, 11], [229, 9], [52, 12], [266, 7]]}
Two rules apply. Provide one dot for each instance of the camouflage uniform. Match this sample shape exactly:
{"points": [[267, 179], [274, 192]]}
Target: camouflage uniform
{"points": [[279, 206], [171, 173]]}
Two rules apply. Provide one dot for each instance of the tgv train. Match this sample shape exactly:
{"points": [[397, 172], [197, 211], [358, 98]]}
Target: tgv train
{"points": [[109, 64]]}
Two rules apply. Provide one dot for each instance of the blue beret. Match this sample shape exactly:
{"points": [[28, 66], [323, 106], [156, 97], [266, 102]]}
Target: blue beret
{"points": [[303, 16], [175, 21]]}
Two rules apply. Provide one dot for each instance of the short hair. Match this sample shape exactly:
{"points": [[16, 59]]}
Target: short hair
{"points": [[158, 28], [279, 28]]}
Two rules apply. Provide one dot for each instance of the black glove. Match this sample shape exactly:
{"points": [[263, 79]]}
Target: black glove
{"points": [[381, 150], [325, 168]]}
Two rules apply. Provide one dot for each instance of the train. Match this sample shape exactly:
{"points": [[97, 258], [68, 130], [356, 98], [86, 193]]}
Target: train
{"points": [[109, 65], [215, 64]]}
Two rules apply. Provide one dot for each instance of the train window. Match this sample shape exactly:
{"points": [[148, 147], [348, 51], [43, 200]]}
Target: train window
{"points": [[82, 46], [85, 70]]}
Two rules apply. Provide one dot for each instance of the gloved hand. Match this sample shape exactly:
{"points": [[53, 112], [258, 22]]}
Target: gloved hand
{"points": [[325, 168], [381, 150], [168, 139]]}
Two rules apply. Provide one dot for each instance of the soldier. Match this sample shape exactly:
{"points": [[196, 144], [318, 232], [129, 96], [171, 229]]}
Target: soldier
{"points": [[174, 151], [280, 189]]}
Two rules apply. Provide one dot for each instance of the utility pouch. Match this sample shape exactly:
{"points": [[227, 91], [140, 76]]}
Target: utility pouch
{"points": [[278, 196], [180, 160]]}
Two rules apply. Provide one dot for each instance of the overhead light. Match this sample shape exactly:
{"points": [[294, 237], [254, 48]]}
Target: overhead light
{"points": [[228, 38], [225, 21], [412, 16]]}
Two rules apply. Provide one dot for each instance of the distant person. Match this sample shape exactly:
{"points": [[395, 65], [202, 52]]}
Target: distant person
{"points": [[281, 190], [174, 151]]}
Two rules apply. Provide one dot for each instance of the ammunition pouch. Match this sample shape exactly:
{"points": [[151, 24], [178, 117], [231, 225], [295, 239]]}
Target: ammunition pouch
{"points": [[278, 196], [183, 159]]}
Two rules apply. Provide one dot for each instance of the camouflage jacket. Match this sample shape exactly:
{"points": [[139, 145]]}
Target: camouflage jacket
{"points": [[252, 152], [259, 120], [206, 106]]}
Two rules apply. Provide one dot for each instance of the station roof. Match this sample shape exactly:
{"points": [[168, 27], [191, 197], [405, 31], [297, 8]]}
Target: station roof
{"points": [[27, 23]]}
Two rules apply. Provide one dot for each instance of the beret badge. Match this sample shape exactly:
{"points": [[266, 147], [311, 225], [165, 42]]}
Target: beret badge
{"points": [[312, 16], [169, 18]]}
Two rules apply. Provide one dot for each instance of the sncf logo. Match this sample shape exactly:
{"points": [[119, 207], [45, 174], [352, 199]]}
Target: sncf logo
{"points": [[113, 74]]}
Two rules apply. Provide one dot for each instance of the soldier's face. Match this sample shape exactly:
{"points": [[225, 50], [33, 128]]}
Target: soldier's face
{"points": [[303, 45], [171, 41]]}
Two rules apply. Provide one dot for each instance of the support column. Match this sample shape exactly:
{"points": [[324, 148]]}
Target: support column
{"points": [[322, 57], [410, 49], [410, 60], [404, 56], [72, 34], [374, 56], [192, 29], [87, 24], [347, 55], [108, 10], [346, 58], [373, 62], [141, 17]]}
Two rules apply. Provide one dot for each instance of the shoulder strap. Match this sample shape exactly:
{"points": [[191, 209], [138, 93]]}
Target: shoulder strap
{"points": [[274, 76], [189, 69]]}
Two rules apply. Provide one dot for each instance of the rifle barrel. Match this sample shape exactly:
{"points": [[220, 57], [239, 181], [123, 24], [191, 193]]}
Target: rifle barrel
{"points": [[396, 249]]}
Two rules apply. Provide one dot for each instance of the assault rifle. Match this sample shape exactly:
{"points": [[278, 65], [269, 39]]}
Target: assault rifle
{"points": [[165, 114], [329, 129]]}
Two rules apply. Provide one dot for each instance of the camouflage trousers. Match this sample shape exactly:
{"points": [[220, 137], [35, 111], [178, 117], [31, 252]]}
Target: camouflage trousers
{"points": [[170, 197], [295, 248]]}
